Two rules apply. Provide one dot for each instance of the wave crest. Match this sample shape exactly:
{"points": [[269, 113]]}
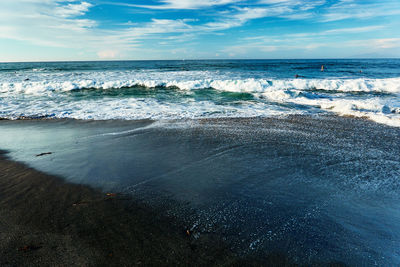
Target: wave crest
{"points": [[391, 85]]}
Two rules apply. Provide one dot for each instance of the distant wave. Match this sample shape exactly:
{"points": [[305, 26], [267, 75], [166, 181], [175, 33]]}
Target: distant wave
{"points": [[390, 85]]}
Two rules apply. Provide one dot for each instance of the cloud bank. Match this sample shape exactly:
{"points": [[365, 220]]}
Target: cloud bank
{"points": [[74, 24]]}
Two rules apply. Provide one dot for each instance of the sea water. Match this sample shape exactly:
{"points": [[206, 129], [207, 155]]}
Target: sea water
{"points": [[316, 188], [367, 88]]}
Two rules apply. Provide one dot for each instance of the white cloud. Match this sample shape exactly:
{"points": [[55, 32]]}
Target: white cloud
{"points": [[187, 4], [387, 43], [353, 30], [59, 24], [44, 22], [376, 43], [350, 9], [310, 42], [159, 27], [155, 29], [246, 14], [236, 19], [55, 23], [311, 36], [107, 54], [62, 23], [72, 10], [292, 9]]}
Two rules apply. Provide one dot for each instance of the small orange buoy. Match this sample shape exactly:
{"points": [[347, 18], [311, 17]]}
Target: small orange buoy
{"points": [[187, 232]]}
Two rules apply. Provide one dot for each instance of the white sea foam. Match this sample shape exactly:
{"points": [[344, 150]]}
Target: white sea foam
{"points": [[45, 94], [391, 85]]}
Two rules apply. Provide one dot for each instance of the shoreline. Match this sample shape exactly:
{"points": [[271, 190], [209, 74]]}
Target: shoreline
{"points": [[291, 185], [294, 116], [48, 221]]}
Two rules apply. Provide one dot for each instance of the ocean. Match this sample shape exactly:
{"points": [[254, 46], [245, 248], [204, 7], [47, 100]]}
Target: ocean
{"points": [[239, 151], [132, 90]]}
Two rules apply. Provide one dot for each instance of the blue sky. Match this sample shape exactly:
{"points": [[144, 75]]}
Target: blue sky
{"points": [[35, 30]]}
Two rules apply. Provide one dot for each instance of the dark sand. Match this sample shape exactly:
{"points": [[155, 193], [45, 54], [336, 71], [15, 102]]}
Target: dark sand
{"points": [[327, 187], [45, 221]]}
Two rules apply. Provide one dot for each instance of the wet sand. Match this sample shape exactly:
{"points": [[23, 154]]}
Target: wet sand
{"points": [[250, 191], [48, 222]]}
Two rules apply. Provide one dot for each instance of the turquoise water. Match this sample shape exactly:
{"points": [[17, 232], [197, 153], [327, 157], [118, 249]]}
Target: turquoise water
{"points": [[201, 89]]}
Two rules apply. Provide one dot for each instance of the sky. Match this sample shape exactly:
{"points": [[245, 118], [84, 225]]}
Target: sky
{"points": [[53, 30]]}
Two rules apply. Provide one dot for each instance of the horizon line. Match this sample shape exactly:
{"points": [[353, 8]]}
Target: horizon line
{"points": [[205, 59]]}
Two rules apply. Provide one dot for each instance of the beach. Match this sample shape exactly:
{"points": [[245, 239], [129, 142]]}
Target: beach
{"points": [[199, 133], [286, 190], [48, 222]]}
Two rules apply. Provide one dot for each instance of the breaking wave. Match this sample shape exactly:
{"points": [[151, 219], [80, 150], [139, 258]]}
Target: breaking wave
{"points": [[390, 85], [155, 94]]}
